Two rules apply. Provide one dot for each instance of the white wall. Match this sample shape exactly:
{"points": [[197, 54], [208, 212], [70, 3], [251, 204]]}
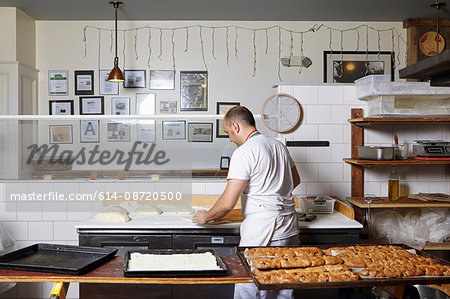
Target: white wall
{"points": [[8, 34], [26, 41]]}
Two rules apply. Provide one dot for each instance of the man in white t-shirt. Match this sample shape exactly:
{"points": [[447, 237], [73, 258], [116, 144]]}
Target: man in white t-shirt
{"points": [[263, 171]]}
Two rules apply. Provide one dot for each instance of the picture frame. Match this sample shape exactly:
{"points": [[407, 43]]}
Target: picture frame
{"points": [[161, 79], [174, 130], [120, 105], [168, 107], [145, 103], [200, 132], [60, 107], [105, 87], [118, 132], [146, 130], [134, 79], [89, 131], [60, 134], [194, 91], [348, 66], [221, 109], [84, 82], [92, 105], [58, 83]]}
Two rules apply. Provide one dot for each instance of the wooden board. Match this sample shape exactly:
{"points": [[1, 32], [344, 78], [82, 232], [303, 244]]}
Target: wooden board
{"points": [[361, 162], [368, 121], [403, 202]]}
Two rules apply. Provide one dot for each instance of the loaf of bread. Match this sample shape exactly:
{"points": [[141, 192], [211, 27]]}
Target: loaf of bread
{"points": [[281, 276], [293, 262], [284, 251]]}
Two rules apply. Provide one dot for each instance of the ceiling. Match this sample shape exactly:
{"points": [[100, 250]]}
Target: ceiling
{"points": [[251, 10]]}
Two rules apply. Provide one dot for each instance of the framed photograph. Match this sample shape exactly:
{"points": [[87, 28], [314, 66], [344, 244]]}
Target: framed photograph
{"points": [[169, 107], [120, 106], [92, 105], [134, 78], [194, 91], [118, 132], [162, 79], [222, 109], [106, 87], [57, 83], [60, 107], [146, 131], [348, 66], [60, 134], [89, 130], [172, 130], [200, 132], [145, 103], [84, 82]]}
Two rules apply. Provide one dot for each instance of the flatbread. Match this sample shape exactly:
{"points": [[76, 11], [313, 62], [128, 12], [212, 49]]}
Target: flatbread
{"points": [[148, 210], [113, 214], [172, 262]]}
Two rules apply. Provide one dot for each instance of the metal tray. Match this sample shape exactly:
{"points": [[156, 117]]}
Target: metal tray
{"points": [[363, 282], [174, 273], [54, 258]]}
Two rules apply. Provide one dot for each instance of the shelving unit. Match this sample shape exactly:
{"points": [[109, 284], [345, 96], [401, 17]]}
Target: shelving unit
{"points": [[357, 199]]}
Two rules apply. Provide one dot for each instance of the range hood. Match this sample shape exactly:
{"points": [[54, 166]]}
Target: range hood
{"points": [[436, 69]]}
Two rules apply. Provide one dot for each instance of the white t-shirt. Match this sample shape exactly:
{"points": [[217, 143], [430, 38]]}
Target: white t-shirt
{"points": [[266, 164]]}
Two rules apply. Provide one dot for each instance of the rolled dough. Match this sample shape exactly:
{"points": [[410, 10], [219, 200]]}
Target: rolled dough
{"points": [[113, 214], [162, 262], [148, 210]]}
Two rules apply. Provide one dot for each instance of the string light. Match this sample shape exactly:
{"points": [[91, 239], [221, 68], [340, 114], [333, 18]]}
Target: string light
{"points": [[123, 51], [279, 54], [291, 48], [187, 40], [213, 42], [85, 42], [149, 45], [267, 41], [227, 46], [203, 49], [254, 53], [173, 50], [111, 44], [236, 42], [99, 47], [160, 43], [135, 44]]}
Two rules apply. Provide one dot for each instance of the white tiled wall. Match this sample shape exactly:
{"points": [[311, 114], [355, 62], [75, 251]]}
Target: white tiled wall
{"points": [[326, 108]]}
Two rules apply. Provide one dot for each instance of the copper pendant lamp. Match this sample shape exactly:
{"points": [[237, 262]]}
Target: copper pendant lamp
{"points": [[116, 74]]}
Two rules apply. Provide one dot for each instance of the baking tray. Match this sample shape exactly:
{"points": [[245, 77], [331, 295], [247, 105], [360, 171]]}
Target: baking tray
{"points": [[363, 282], [174, 273], [54, 258]]}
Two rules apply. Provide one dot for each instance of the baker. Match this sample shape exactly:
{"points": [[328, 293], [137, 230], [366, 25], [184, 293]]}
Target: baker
{"points": [[264, 172]]}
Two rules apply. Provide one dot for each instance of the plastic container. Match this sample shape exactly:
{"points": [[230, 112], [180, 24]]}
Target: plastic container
{"points": [[318, 205]]}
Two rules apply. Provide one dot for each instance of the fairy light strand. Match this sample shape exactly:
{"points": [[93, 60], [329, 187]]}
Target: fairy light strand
{"points": [[213, 43], [111, 44], [236, 36], [99, 47], [267, 41], [123, 50], [186, 46], [160, 43], [149, 45], [173, 49], [203, 48], [279, 54], [135, 44], [254, 53], [227, 45], [85, 41]]}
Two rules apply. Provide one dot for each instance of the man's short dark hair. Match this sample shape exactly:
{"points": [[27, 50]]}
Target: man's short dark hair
{"points": [[240, 114]]}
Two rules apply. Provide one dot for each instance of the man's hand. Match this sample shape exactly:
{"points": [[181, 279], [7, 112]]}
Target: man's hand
{"points": [[200, 217]]}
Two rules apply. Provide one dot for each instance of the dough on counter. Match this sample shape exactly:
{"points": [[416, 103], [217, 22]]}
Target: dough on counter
{"points": [[177, 209], [183, 210], [148, 210], [113, 214], [167, 262]]}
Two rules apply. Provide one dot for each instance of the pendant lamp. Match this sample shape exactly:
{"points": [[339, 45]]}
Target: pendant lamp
{"points": [[116, 74]]}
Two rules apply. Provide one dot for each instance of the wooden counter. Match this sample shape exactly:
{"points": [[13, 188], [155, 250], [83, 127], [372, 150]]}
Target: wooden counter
{"points": [[112, 272], [403, 202]]}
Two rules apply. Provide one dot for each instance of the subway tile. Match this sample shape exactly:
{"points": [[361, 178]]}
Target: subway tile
{"points": [[341, 189], [340, 114], [42, 188], [121, 187], [317, 114], [287, 89], [418, 187], [54, 211], [300, 189], [405, 133], [24, 243], [340, 151], [440, 187], [167, 187], [347, 172], [306, 132], [198, 188], [331, 95], [332, 133], [8, 211], [380, 134], [29, 210], [318, 188], [65, 231], [40, 231], [186, 189], [17, 229], [79, 210], [406, 172], [347, 133], [429, 173], [377, 174], [142, 187], [372, 188], [309, 172], [15, 188], [297, 154], [429, 132], [331, 172], [215, 188], [66, 188], [318, 154], [350, 96], [306, 94], [2, 191]]}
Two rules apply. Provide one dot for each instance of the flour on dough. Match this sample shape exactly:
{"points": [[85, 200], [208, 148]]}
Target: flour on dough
{"points": [[162, 262], [113, 214], [148, 210]]}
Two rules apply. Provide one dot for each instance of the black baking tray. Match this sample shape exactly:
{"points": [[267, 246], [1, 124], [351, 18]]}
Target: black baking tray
{"points": [[175, 273], [363, 282], [55, 258]]}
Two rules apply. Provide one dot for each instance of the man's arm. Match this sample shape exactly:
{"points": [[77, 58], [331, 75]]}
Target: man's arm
{"points": [[224, 204], [295, 176]]}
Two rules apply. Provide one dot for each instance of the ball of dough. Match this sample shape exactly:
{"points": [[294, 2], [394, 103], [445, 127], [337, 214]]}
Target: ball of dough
{"points": [[113, 214], [148, 210]]}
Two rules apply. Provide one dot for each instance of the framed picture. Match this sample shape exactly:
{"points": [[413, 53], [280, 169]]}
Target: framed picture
{"points": [[172, 130], [106, 87], [146, 131], [145, 103], [168, 107], [60, 134], [134, 78], [120, 106], [194, 91], [222, 109], [89, 130], [60, 107], [162, 79], [118, 132], [84, 82], [348, 66], [200, 132], [91, 105], [57, 83]]}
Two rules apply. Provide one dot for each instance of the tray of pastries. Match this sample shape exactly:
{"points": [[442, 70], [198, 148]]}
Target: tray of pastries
{"points": [[341, 266]]}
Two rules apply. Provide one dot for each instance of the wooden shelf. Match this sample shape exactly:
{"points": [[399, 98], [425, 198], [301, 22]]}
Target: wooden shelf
{"points": [[403, 202], [361, 162], [368, 121]]}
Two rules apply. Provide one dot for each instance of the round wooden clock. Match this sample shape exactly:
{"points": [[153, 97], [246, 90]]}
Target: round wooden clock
{"points": [[427, 43]]}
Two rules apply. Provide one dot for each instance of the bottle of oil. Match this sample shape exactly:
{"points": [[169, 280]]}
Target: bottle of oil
{"points": [[393, 187]]}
